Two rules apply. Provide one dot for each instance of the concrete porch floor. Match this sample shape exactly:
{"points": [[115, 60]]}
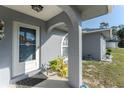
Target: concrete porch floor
{"points": [[52, 81]]}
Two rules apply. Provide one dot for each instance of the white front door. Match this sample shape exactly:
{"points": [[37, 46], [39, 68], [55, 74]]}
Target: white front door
{"points": [[25, 48]]}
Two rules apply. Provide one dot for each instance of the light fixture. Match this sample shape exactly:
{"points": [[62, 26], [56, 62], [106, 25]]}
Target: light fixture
{"points": [[37, 8], [1, 29]]}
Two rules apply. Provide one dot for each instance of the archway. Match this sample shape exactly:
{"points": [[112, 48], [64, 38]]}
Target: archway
{"points": [[71, 19]]}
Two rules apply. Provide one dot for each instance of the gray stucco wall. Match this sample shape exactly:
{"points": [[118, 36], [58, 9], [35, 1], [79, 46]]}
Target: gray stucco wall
{"points": [[52, 46], [9, 16], [91, 45]]}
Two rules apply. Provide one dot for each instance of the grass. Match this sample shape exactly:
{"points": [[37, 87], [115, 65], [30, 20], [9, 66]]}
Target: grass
{"points": [[103, 74]]}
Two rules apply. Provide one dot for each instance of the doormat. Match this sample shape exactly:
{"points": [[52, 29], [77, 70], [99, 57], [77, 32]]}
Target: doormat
{"points": [[30, 81]]}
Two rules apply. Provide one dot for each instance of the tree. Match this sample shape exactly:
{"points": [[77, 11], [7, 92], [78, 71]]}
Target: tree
{"points": [[114, 32], [120, 34], [104, 25], [121, 26]]}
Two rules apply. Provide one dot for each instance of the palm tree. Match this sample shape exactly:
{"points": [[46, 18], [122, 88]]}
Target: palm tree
{"points": [[120, 34], [104, 25]]}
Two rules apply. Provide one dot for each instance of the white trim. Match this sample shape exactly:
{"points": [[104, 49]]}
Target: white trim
{"points": [[97, 31], [102, 46], [62, 44], [15, 49]]}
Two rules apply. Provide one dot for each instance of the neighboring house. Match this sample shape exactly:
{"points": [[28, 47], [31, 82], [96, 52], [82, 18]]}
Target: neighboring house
{"points": [[112, 44], [32, 35], [94, 43]]}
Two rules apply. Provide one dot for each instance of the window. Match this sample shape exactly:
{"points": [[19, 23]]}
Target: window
{"points": [[64, 46], [27, 44]]}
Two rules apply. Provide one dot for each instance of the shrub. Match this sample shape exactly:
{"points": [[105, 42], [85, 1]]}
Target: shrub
{"points": [[63, 70], [59, 66], [53, 65], [108, 51]]}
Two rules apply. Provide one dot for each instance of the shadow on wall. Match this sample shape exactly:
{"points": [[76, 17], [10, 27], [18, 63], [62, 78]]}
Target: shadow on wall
{"points": [[51, 44]]}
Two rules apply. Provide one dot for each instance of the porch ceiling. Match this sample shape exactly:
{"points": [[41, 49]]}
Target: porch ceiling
{"points": [[92, 11], [47, 13]]}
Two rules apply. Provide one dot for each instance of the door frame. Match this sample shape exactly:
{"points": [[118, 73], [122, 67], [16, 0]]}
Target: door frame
{"points": [[15, 47]]}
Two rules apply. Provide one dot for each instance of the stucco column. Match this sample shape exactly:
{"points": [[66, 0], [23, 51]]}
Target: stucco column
{"points": [[75, 56], [75, 46]]}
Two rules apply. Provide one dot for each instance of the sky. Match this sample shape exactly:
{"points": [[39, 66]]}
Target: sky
{"points": [[115, 18]]}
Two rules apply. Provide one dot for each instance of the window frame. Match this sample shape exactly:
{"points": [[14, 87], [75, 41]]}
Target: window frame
{"points": [[64, 46]]}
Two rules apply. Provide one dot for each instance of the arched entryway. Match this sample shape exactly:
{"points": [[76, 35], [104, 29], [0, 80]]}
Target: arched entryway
{"points": [[72, 22]]}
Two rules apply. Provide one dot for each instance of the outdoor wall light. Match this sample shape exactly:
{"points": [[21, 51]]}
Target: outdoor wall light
{"points": [[37, 8], [1, 29]]}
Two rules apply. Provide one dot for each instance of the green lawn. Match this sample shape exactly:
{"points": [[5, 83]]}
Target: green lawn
{"points": [[104, 74]]}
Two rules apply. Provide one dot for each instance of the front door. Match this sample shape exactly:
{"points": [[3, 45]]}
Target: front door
{"points": [[25, 48]]}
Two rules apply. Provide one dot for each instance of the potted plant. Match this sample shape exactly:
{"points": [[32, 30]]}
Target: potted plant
{"points": [[108, 53]]}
